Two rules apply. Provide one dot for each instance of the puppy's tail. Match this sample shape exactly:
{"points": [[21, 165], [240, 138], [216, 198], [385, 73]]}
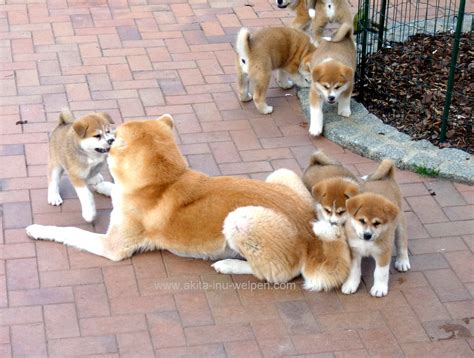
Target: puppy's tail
{"points": [[65, 117], [385, 170], [243, 49], [344, 31], [320, 158]]}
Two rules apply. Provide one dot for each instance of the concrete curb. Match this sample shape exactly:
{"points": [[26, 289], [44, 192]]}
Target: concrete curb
{"points": [[367, 135]]}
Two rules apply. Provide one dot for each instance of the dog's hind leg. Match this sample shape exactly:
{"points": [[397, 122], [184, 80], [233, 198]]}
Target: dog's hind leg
{"points": [[233, 267], [97, 244], [261, 79], [402, 262], [243, 83]]}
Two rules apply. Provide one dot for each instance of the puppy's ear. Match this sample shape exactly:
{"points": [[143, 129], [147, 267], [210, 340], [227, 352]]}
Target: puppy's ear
{"points": [[347, 73], [107, 117], [319, 191], [351, 191], [390, 210], [317, 73], [80, 127], [168, 119], [307, 62], [353, 205]]}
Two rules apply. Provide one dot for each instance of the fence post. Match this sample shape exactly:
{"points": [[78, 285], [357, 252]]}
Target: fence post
{"points": [[383, 10], [365, 27], [452, 69]]}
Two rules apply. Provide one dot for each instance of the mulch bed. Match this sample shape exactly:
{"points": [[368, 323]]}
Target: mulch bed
{"points": [[405, 86]]}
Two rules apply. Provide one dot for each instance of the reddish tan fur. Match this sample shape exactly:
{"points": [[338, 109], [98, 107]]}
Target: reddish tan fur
{"points": [[278, 48]]}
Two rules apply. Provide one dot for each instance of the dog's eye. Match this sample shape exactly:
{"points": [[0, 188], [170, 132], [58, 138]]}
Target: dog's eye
{"points": [[376, 223], [327, 210], [337, 87], [97, 136], [362, 221], [340, 212], [326, 86]]}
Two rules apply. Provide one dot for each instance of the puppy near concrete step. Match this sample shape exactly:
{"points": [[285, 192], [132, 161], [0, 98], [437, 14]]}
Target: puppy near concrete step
{"points": [[331, 185], [376, 222], [332, 70], [79, 147], [286, 50]]}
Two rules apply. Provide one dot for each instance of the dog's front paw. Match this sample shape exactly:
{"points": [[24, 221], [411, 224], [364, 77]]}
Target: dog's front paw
{"points": [[224, 266], [245, 97], [315, 129], [54, 199], [265, 109], [344, 112], [379, 290], [402, 264], [315, 284], [89, 214], [104, 188], [350, 287], [96, 180], [36, 232], [285, 84]]}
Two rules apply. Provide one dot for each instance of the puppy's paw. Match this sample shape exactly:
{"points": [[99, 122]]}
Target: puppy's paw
{"points": [[36, 232], [104, 188], [224, 266], [344, 112], [265, 109], [315, 130], [246, 97], [285, 84], [379, 290], [350, 287], [96, 180], [315, 284], [402, 264], [89, 214], [54, 198]]}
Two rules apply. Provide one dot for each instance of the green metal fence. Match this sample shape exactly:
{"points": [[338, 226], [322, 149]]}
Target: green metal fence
{"points": [[381, 23]]}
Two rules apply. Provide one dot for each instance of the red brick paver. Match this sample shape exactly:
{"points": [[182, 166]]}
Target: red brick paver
{"points": [[137, 59]]}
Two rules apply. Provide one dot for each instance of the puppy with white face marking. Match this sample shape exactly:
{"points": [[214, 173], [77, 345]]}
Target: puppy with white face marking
{"points": [[286, 50], [80, 148], [332, 70], [376, 221], [331, 184]]}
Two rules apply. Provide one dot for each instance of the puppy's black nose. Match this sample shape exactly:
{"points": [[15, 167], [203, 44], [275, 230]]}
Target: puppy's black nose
{"points": [[279, 2], [110, 141], [331, 98], [367, 235]]}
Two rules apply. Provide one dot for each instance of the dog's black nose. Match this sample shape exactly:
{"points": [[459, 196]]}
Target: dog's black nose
{"points": [[110, 141], [331, 98], [279, 2], [367, 236]]}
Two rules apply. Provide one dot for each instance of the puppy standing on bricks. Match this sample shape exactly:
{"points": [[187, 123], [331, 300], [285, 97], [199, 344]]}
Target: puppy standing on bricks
{"points": [[159, 203], [283, 49], [332, 69], [376, 221], [80, 148]]}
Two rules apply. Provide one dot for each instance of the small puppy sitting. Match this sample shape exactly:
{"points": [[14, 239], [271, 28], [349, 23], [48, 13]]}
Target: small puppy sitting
{"points": [[277, 48], [376, 221], [329, 11], [80, 148], [332, 69], [331, 185]]}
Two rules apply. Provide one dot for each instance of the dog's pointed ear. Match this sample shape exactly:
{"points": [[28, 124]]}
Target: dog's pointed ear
{"points": [[107, 117], [353, 205], [390, 210], [348, 73], [318, 191], [307, 62], [351, 191], [80, 127], [317, 73], [168, 119]]}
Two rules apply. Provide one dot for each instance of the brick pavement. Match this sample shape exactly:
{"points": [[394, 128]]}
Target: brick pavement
{"points": [[139, 59]]}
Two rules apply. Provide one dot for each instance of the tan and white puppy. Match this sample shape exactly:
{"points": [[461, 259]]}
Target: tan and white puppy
{"points": [[376, 221], [160, 203], [80, 148], [324, 12], [286, 50], [332, 70]]}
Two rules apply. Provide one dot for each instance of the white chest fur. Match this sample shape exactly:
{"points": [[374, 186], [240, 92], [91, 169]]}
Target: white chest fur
{"points": [[364, 248], [329, 6]]}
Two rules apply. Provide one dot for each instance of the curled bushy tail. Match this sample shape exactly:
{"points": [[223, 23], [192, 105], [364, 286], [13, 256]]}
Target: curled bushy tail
{"points": [[320, 158], [344, 31], [385, 170], [65, 117], [242, 47]]}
